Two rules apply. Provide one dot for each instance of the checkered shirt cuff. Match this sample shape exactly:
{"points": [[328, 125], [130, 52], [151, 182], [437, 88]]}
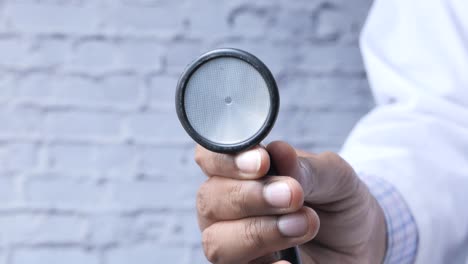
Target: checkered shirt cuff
{"points": [[402, 233]]}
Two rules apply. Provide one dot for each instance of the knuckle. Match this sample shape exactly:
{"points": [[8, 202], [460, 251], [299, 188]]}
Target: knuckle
{"points": [[210, 247], [220, 163], [308, 167], [336, 161], [238, 199], [331, 157], [200, 159], [218, 158], [211, 163], [346, 179], [198, 156], [338, 164], [253, 233], [348, 187], [204, 207]]}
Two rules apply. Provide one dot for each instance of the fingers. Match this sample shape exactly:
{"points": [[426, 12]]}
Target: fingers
{"points": [[241, 241], [251, 164], [325, 178], [236, 199]]}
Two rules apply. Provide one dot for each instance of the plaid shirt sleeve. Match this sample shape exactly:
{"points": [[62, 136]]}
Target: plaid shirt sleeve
{"points": [[402, 233]]}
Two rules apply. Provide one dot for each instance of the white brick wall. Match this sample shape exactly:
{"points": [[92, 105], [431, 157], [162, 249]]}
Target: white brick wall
{"points": [[94, 166]]}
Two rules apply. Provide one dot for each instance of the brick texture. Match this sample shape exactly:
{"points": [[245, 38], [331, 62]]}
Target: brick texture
{"points": [[94, 166]]}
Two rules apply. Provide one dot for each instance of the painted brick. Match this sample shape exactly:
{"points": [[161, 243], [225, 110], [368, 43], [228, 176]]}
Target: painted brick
{"points": [[94, 55], [295, 23], [87, 159], [278, 57], [149, 226], [60, 191], [164, 18], [153, 194], [146, 254], [7, 87], [213, 23], [50, 52], [102, 55], [183, 229], [160, 126], [18, 52], [54, 256], [35, 87], [130, 228], [40, 228], [168, 161], [331, 58], [8, 192], [119, 161], [324, 93], [142, 55], [38, 17], [180, 54], [162, 89], [20, 121], [17, 157], [106, 229], [252, 20], [83, 125], [197, 255], [117, 91], [75, 158]]}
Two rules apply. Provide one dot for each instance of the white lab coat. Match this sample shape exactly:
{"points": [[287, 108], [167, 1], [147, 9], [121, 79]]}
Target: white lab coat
{"points": [[416, 56]]}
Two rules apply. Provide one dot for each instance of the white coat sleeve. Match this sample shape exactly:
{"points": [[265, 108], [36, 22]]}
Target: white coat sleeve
{"points": [[416, 139]]}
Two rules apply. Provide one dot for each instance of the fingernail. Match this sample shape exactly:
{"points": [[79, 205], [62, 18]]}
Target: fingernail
{"points": [[278, 194], [293, 225], [248, 162]]}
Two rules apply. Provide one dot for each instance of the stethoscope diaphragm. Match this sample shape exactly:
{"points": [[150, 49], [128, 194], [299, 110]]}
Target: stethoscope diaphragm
{"points": [[227, 100]]}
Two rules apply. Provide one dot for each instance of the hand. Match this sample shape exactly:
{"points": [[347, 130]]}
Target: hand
{"points": [[318, 203]]}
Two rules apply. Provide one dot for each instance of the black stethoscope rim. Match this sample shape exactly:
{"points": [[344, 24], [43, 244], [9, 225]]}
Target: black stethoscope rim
{"points": [[272, 88]]}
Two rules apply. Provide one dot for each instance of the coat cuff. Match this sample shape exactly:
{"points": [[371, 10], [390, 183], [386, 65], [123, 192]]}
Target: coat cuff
{"points": [[402, 232]]}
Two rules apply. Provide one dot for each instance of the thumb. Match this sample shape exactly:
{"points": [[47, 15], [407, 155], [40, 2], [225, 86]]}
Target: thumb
{"points": [[325, 178]]}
